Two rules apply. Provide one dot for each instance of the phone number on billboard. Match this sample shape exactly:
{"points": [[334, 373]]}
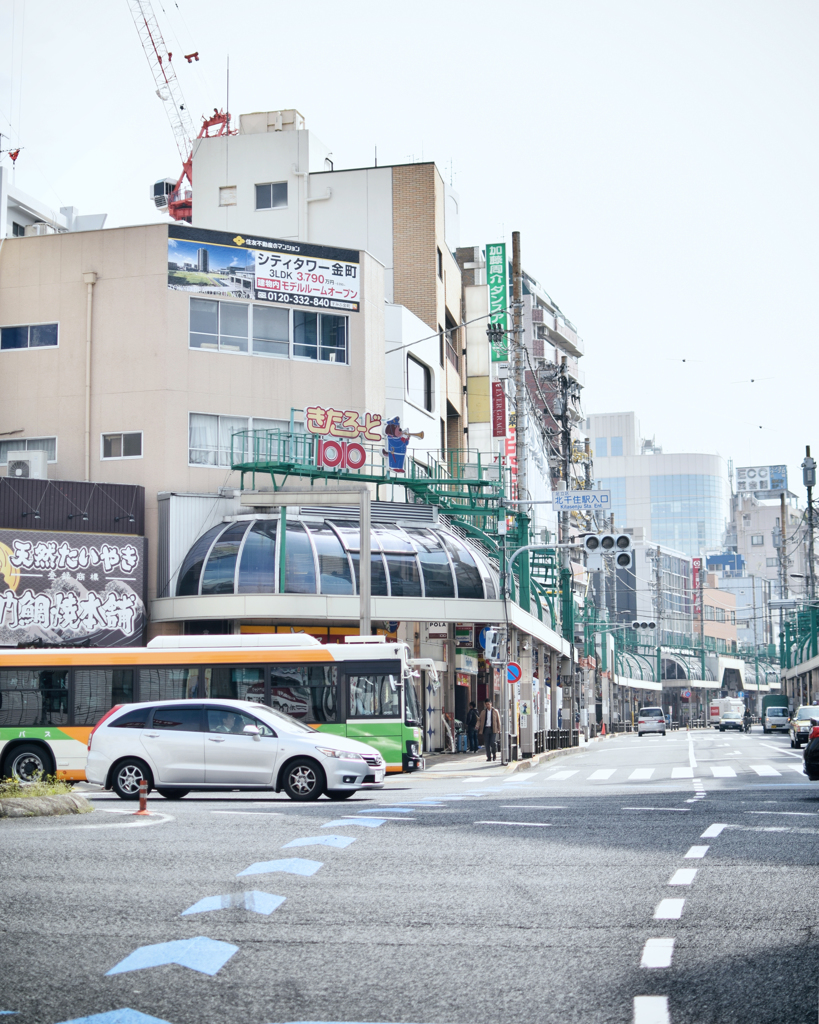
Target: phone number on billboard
{"points": [[305, 300]]}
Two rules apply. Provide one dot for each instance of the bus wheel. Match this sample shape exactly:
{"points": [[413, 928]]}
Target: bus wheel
{"points": [[27, 763], [172, 794], [340, 794], [127, 777], [303, 779]]}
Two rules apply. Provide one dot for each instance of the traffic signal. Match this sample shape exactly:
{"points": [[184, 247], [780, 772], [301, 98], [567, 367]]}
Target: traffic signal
{"points": [[617, 544], [644, 625], [491, 647]]}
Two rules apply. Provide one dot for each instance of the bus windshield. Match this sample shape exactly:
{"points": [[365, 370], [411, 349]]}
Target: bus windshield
{"points": [[412, 709]]}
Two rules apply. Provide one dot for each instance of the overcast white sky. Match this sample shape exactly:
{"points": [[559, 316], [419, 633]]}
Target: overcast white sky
{"points": [[659, 160]]}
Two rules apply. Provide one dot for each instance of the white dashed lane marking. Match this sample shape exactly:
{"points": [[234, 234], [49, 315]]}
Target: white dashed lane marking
{"points": [[657, 953], [669, 910], [651, 1010], [712, 831], [684, 876], [696, 853]]}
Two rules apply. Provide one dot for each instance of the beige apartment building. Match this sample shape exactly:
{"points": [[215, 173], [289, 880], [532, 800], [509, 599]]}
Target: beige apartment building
{"points": [[171, 374], [276, 178]]}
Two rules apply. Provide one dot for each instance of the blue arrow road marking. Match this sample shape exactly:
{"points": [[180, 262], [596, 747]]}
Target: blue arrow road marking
{"points": [[260, 902], [200, 954], [366, 822], [339, 841], [384, 810], [125, 1016], [293, 866]]}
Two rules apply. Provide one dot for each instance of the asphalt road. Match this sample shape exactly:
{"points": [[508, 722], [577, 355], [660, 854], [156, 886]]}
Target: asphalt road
{"points": [[482, 896]]}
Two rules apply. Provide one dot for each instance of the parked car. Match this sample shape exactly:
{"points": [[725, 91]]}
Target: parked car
{"points": [[224, 744], [650, 720], [731, 720], [775, 719], [811, 757], [801, 723]]}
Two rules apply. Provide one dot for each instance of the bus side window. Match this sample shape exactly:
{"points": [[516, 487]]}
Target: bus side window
{"points": [[97, 690], [33, 697], [305, 692], [175, 683]]}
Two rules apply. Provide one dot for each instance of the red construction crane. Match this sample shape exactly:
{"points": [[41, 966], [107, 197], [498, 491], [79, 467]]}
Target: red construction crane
{"points": [[168, 193]]}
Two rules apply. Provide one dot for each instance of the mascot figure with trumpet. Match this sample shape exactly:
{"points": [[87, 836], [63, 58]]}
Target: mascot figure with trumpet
{"points": [[397, 441]]}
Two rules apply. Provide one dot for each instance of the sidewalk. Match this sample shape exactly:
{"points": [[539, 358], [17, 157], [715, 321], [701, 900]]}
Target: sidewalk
{"points": [[454, 765]]}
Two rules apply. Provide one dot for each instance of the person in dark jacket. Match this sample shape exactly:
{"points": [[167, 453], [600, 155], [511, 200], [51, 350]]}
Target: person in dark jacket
{"points": [[489, 725], [472, 728]]}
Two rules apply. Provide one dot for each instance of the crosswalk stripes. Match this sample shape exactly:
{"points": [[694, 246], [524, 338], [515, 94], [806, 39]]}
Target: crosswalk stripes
{"points": [[602, 773], [664, 772], [764, 769], [723, 771], [642, 774]]}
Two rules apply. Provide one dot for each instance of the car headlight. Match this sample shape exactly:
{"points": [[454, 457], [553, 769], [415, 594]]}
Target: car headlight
{"points": [[348, 755]]}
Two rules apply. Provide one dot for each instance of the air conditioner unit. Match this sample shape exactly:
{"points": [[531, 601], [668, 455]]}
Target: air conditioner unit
{"points": [[31, 465]]}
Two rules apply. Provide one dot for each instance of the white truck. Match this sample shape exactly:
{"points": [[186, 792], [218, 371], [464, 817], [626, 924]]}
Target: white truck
{"points": [[722, 704]]}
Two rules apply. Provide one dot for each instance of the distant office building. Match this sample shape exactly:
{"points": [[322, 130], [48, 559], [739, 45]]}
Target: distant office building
{"points": [[681, 501], [202, 261]]}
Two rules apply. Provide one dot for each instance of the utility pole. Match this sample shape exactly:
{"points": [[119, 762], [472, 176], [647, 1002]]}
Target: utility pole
{"points": [[783, 561], [809, 480], [567, 604]]}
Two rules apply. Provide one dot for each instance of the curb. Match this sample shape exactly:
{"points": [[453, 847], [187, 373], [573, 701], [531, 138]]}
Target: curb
{"points": [[550, 755], [35, 806]]}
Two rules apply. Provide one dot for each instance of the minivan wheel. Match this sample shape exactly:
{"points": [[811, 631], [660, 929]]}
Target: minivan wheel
{"points": [[303, 779], [340, 794], [127, 776], [172, 794]]}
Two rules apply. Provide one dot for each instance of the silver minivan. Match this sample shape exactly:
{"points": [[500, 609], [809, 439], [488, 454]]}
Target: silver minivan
{"points": [[650, 720], [776, 719], [180, 746]]}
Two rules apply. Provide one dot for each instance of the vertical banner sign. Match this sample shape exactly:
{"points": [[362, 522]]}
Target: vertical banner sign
{"points": [[510, 450], [498, 409], [696, 569], [496, 278]]}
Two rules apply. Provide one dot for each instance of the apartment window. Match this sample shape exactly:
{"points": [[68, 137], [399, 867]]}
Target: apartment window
{"points": [[122, 446], [28, 336], [320, 336], [440, 264], [616, 446], [757, 539], [218, 325], [209, 438], [227, 195], [771, 562], [271, 331], [17, 230], [441, 344], [28, 444], [732, 617], [419, 383], [272, 196], [601, 447]]}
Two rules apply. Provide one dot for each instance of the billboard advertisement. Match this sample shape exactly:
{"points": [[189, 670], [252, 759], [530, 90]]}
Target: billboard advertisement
{"points": [[497, 278], [64, 588], [219, 264], [762, 479]]}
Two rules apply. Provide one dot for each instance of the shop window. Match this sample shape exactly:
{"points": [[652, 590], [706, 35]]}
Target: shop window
{"points": [[29, 336], [271, 196]]}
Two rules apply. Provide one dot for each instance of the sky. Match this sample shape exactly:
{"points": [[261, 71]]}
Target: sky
{"points": [[659, 159]]}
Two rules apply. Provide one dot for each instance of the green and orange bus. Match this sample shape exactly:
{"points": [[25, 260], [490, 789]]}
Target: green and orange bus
{"points": [[50, 699]]}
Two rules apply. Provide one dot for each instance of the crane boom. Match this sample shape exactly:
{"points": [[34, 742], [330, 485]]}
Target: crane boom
{"points": [[168, 88]]}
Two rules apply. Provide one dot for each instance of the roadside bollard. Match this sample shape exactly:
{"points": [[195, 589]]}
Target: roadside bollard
{"points": [[143, 797]]}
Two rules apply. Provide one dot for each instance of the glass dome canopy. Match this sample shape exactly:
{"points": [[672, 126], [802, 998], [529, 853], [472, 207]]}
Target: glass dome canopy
{"points": [[243, 557]]}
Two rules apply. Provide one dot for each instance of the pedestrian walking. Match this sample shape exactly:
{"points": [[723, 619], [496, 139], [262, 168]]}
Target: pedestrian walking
{"points": [[472, 728], [489, 727]]}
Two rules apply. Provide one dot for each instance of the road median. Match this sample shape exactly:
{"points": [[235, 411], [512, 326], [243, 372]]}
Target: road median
{"points": [[37, 806]]}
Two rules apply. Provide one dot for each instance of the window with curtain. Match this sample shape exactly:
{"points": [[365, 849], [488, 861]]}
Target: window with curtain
{"points": [[210, 438], [28, 444]]}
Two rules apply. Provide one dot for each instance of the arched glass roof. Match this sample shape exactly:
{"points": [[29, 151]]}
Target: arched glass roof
{"points": [[243, 557]]}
